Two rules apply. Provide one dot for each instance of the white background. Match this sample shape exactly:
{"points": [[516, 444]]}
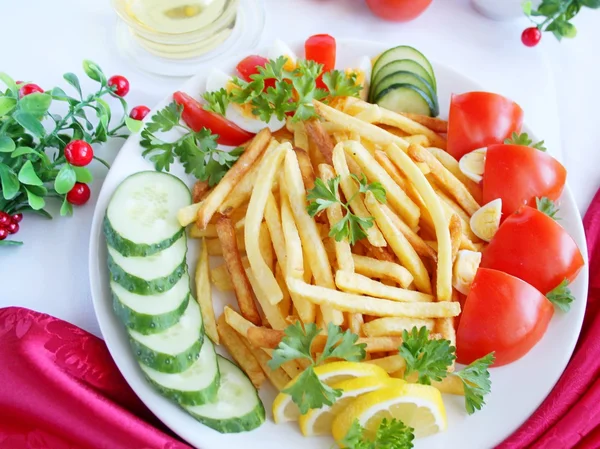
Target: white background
{"points": [[41, 39]]}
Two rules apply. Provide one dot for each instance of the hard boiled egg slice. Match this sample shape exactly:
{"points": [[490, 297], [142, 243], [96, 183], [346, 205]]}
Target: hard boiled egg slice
{"points": [[240, 114], [486, 220], [363, 76], [280, 48], [473, 164], [464, 270]]}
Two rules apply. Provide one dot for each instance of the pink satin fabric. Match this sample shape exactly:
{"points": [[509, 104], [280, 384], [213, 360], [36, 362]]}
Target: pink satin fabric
{"points": [[60, 389]]}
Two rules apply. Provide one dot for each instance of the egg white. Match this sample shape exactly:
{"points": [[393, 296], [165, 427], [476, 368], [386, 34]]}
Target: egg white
{"points": [[280, 48]]}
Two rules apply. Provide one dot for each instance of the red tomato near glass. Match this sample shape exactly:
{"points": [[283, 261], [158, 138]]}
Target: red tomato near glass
{"points": [[249, 66], [479, 119], [518, 175], [502, 314], [197, 118], [535, 248], [398, 10]]}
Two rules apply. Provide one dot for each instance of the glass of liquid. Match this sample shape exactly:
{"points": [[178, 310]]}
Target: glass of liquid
{"points": [[172, 36]]}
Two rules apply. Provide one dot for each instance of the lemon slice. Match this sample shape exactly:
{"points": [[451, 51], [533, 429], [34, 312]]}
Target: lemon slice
{"points": [[318, 421], [464, 270], [486, 220], [417, 406], [284, 408], [473, 164]]}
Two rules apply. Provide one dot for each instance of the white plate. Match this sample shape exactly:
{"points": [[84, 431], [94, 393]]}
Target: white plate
{"points": [[518, 389]]}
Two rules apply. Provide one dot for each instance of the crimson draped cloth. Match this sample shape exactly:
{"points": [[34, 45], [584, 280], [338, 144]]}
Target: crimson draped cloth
{"points": [[60, 389]]}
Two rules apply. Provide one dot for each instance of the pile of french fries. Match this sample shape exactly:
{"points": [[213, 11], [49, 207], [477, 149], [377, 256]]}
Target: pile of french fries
{"points": [[281, 263]]}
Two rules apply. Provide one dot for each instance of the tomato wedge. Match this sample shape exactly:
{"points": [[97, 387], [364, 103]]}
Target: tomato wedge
{"points": [[532, 246], [520, 174], [321, 48], [479, 119], [502, 314], [197, 118], [249, 66]]}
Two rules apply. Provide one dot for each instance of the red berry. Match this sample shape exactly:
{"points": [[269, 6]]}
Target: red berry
{"points": [[139, 112], [120, 84], [4, 219], [531, 36], [18, 82], [3, 233], [16, 218], [79, 194], [13, 227], [79, 153], [29, 89]]}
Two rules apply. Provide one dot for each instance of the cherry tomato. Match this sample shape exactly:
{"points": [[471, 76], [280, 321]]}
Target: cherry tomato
{"points": [[249, 66], [12, 227], [139, 112], [479, 119], [17, 218], [398, 10], [120, 83], [502, 314], [518, 175], [531, 36], [197, 118], [321, 48], [29, 89], [4, 219], [3, 233], [79, 153], [535, 248], [79, 194]]}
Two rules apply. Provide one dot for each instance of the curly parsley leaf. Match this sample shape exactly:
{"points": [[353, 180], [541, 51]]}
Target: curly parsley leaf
{"points": [[561, 296], [547, 206], [523, 139], [392, 434], [323, 195], [295, 344], [217, 101], [341, 84], [429, 358], [476, 382], [275, 101], [165, 119], [375, 187], [308, 392], [342, 345]]}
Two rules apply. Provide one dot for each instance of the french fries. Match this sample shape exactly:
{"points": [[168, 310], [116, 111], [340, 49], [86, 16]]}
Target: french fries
{"points": [[271, 311], [395, 326], [433, 123], [357, 283], [321, 139], [452, 166], [199, 191], [204, 295], [306, 168], [382, 269]]}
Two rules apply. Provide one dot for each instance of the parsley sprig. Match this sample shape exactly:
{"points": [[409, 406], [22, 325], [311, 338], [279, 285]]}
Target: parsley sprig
{"points": [[431, 359], [351, 227], [561, 296], [392, 434], [197, 151], [309, 392], [523, 139]]}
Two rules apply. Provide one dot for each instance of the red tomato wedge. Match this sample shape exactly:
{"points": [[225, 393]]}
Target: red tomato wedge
{"points": [[249, 66], [502, 314], [479, 119], [519, 175], [197, 118], [321, 48], [532, 246]]}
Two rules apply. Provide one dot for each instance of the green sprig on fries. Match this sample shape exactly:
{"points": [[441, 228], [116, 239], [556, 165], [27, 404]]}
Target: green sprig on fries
{"points": [[391, 434]]}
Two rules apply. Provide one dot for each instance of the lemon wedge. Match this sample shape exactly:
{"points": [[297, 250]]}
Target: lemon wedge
{"points": [[318, 421], [464, 270], [417, 406], [486, 220], [473, 164], [284, 408]]}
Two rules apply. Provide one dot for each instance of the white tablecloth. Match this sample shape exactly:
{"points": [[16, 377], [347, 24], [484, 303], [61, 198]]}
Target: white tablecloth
{"points": [[555, 84]]}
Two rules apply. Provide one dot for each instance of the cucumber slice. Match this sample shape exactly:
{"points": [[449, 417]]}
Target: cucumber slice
{"points": [[402, 65], [141, 218], [405, 52], [151, 274], [153, 313], [406, 98], [196, 385], [237, 408], [405, 78], [175, 349]]}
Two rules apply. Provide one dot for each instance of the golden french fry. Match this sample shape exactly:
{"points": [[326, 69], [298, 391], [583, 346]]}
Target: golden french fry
{"points": [[306, 168], [390, 363], [349, 302], [250, 156], [433, 123], [400, 245], [343, 252], [196, 233], [383, 254], [237, 322], [455, 235], [445, 327], [271, 311], [396, 197], [199, 191], [285, 304], [254, 217], [355, 323], [204, 295], [412, 172], [300, 135], [187, 215], [350, 191], [393, 130], [278, 377], [382, 269], [291, 368], [237, 273], [391, 326], [445, 178], [240, 352], [266, 249], [357, 283], [450, 208], [309, 234], [418, 139], [263, 337], [321, 139], [219, 276], [216, 249], [273, 220], [452, 166], [283, 134]]}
